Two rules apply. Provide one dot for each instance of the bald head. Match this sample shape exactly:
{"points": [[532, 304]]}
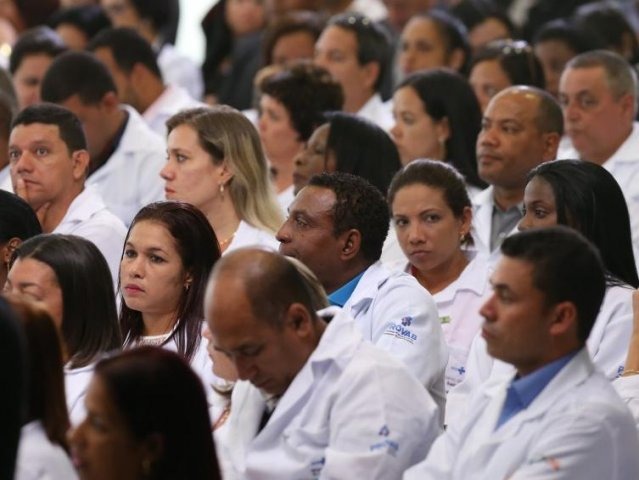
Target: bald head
{"points": [[548, 115], [268, 281]]}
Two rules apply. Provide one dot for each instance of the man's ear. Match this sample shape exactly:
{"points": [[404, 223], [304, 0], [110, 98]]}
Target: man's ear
{"points": [[81, 160], [351, 242], [300, 319], [110, 101], [564, 319]]}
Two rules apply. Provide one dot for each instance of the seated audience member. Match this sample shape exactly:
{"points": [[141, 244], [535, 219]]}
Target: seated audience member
{"points": [[585, 197], [23, 14], [13, 356], [313, 400], [216, 163], [602, 130], [432, 215], [291, 37], [484, 22], [133, 66], [555, 43], [126, 156], [520, 129], [350, 144], [437, 117], [30, 58], [156, 21], [18, 222], [49, 164], [337, 225], [147, 419], [233, 33], [69, 277], [627, 385], [356, 51], [169, 251], [398, 13], [6, 116], [79, 24], [557, 416], [291, 107], [606, 24], [431, 40], [503, 64], [43, 442]]}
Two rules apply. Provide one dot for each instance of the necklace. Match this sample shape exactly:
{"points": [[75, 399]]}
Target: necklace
{"points": [[224, 243]]}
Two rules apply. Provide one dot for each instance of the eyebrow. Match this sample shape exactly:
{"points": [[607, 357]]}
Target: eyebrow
{"points": [[150, 249]]}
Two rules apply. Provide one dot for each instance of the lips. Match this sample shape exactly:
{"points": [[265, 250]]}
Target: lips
{"points": [[133, 288], [168, 192]]}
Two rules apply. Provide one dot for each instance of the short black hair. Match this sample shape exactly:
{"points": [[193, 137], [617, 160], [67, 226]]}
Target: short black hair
{"points": [[163, 15], [561, 31], [77, 73], [566, 267], [69, 126], [288, 24], [128, 47], [38, 40], [358, 205], [373, 43], [17, 218], [89, 19], [306, 91]]}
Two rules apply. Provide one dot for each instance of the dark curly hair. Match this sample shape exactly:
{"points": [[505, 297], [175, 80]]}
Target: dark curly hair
{"points": [[358, 205], [306, 91]]}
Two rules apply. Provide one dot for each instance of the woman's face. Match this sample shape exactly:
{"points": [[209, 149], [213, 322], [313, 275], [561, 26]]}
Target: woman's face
{"points": [[102, 445], [427, 230], [540, 206], [190, 174], [488, 79], [553, 56], [280, 140], [415, 133], [38, 281], [152, 275], [244, 16], [422, 46], [314, 158]]}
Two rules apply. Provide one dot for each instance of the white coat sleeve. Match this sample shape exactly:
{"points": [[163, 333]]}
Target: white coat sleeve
{"points": [[409, 329], [378, 435], [608, 341], [628, 390]]}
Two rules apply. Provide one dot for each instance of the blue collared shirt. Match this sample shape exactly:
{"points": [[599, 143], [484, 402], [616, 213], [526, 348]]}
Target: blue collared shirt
{"points": [[522, 391], [340, 296]]}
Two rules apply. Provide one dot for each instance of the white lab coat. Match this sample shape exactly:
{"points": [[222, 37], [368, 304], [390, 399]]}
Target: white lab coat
{"points": [[352, 411], [180, 70], [89, 218], [398, 315], [482, 225], [607, 344], [76, 384], [39, 459], [249, 236], [458, 305], [130, 179], [378, 112], [172, 100], [576, 428], [5, 179], [628, 390], [392, 256], [624, 166]]}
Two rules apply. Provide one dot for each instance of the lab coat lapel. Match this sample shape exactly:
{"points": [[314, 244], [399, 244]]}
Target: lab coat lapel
{"points": [[249, 401], [482, 219]]}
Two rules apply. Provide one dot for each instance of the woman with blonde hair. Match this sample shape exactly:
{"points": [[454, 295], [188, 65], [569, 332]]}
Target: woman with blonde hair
{"points": [[216, 163]]}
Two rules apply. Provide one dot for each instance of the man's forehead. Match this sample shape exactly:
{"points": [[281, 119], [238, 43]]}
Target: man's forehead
{"points": [[314, 200], [584, 78], [520, 106]]}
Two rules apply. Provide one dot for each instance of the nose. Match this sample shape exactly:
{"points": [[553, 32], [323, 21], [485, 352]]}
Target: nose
{"points": [[524, 224], [167, 173], [487, 137], [320, 60], [75, 435], [571, 112], [24, 163], [487, 310], [283, 235], [414, 234], [395, 131], [300, 158], [246, 368], [132, 267]]}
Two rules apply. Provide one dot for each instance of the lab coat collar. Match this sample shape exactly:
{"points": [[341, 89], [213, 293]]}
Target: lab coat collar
{"points": [[577, 371], [374, 277], [474, 278], [84, 206], [130, 141], [627, 151]]}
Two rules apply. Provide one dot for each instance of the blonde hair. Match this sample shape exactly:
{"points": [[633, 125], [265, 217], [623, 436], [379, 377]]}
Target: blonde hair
{"points": [[228, 136]]}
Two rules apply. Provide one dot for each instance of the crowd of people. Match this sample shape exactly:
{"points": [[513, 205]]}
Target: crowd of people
{"points": [[382, 239]]}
